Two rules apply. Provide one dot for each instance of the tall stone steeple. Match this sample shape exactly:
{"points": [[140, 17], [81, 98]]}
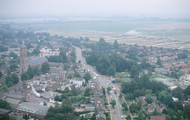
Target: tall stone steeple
{"points": [[23, 67]]}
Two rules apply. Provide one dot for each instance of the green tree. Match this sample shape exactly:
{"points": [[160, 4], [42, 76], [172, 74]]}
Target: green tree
{"points": [[118, 80], [149, 99], [9, 79], [133, 108], [115, 44], [74, 91], [103, 64], [82, 118], [15, 78], [148, 92], [36, 52], [175, 75], [119, 75], [1, 74], [69, 76], [87, 92], [66, 90], [87, 76], [5, 117], [3, 87], [4, 104], [9, 84], [111, 71], [113, 103], [134, 71], [45, 67], [30, 72], [8, 71], [159, 62], [13, 67], [168, 100], [108, 88], [37, 71], [12, 54], [177, 92], [128, 117], [103, 90], [155, 112], [24, 76], [140, 115], [76, 74]]}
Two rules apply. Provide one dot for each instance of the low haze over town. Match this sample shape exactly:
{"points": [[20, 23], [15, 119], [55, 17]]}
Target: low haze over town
{"points": [[94, 60]]}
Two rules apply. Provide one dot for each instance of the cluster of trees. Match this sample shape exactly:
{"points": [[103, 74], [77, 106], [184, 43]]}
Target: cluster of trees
{"points": [[62, 58], [10, 81], [29, 74], [61, 112], [138, 86], [12, 54], [3, 48], [5, 105]]}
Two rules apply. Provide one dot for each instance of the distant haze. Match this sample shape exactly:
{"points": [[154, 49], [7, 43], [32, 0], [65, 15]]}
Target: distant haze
{"points": [[145, 8]]}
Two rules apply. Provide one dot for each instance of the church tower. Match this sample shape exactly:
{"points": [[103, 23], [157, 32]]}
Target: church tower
{"points": [[23, 67]]}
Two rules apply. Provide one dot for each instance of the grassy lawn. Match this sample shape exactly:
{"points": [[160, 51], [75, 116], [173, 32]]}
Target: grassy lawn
{"points": [[106, 101], [120, 101], [124, 112], [94, 67], [160, 76], [80, 95]]}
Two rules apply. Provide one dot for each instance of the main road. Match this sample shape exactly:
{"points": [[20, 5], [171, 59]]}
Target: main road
{"points": [[104, 82]]}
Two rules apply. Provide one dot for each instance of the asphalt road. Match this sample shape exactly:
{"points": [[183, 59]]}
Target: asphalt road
{"points": [[103, 81]]}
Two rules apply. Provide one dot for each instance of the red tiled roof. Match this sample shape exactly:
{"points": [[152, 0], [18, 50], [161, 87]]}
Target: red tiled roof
{"points": [[157, 118], [168, 66], [185, 69], [118, 52]]}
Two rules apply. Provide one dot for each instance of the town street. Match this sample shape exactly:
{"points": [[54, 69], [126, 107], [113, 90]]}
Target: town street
{"points": [[104, 82]]}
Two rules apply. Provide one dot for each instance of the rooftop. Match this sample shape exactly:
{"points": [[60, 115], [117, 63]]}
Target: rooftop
{"points": [[13, 101], [33, 108], [38, 60]]}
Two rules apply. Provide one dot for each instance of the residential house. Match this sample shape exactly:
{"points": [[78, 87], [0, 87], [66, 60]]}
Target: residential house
{"points": [[77, 81], [161, 71], [99, 102], [157, 118], [89, 107], [33, 109], [168, 67], [185, 70], [163, 106], [100, 116], [88, 115], [143, 99], [101, 109], [152, 107]]}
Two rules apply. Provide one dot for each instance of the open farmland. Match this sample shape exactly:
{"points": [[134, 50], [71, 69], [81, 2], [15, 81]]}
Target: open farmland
{"points": [[161, 34]]}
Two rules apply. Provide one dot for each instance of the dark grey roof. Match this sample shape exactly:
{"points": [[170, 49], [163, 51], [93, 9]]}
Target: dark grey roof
{"points": [[37, 61], [12, 101], [101, 108], [101, 115], [87, 115], [33, 108]]}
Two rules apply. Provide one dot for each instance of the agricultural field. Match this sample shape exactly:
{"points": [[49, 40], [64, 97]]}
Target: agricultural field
{"points": [[160, 34]]}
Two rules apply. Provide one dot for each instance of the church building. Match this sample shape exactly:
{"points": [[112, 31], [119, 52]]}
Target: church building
{"points": [[23, 67]]}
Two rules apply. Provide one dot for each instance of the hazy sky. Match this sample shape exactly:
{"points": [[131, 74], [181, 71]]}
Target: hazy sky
{"points": [[164, 8]]}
